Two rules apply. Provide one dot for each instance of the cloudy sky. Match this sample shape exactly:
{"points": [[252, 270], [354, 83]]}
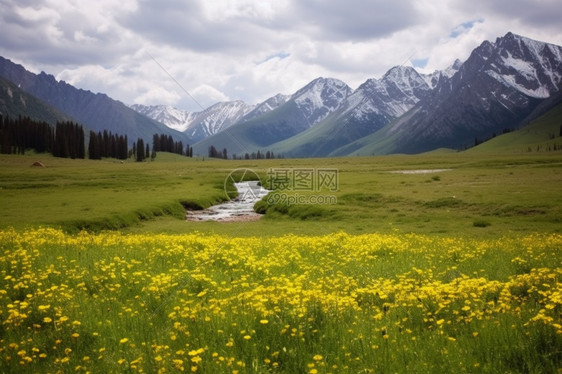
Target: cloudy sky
{"points": [[189, 53]]}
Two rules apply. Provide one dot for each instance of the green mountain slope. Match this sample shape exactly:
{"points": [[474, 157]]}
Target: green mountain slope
{"points": [[256, 134], [541, 134], [332, 133], [381, 142]]}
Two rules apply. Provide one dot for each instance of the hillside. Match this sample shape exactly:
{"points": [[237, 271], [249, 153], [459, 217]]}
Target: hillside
{"points": [[15, 102], [544, 134]]}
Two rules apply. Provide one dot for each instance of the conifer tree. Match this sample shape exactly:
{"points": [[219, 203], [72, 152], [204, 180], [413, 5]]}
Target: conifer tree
{"points": [[140, 150]]}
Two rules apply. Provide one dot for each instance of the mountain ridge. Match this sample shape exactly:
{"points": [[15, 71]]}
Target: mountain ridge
{"points": [[303, 110], [371, 106], [15, 102], [360, 112], [484, 97]]}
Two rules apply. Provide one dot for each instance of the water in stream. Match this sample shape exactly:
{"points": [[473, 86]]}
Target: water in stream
{"points": [[240, 208]]}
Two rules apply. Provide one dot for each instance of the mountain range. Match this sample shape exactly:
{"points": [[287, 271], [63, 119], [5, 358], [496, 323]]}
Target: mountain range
{"points": [[496, 88], [97, 112], [502, 85]]}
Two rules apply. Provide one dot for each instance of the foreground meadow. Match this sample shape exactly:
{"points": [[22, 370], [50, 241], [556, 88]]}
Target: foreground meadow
{"points": [[394, 302]]}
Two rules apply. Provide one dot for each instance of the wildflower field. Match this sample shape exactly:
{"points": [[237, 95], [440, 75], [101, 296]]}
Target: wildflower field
{"points": [[337, 303]]}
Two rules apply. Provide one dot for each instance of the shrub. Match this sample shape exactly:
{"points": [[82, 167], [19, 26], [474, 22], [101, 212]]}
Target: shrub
{"points": [[481, 223]]}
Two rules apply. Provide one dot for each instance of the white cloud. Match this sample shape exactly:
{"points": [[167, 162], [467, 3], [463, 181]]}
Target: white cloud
{"points": [[205, 92], [251, 49], [157, 95]]}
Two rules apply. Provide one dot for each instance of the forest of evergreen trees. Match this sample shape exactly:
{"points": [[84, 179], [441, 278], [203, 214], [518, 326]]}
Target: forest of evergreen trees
{"points": [[18, 135], [165, 143], [107, 145], [67, 140]]}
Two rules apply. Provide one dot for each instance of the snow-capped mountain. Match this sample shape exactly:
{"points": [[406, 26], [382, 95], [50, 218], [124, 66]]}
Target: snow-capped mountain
{"points": [[217, 118], [370, 107], [267, 106], [391, 96], [303, 110], [174, 118], [433, 78], [320, 97], [500, 85], [528, 66], [198, 125]]}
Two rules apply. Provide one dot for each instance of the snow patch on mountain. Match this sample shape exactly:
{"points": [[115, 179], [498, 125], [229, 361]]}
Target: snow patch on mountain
{"points": [[320, 98], [523, 67], [511, 81], [433, 79], [267, 106], [168, 115]]}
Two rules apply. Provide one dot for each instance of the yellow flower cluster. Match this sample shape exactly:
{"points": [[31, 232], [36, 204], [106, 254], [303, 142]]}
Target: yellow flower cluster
{"points": [[210, 303]]}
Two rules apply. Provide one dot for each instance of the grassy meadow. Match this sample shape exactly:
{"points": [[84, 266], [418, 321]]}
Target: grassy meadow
{"points": [[458, 270], [503, 193]]}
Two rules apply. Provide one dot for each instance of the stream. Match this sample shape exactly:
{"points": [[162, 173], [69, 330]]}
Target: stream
{"points": [[238, 209]]}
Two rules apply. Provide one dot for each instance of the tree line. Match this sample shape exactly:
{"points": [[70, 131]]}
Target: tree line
{"points": [[66, 139], [107, 145], [18, 135], [215, 153], [165, 143]]}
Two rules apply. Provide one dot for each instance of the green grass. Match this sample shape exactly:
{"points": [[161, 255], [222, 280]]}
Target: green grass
{"points": [[108, 194], [474, 289], [512, 192]]}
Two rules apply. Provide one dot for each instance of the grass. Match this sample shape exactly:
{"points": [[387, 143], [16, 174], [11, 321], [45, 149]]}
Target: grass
{"points": [[518, 192], [96, 195], [449, 271]]}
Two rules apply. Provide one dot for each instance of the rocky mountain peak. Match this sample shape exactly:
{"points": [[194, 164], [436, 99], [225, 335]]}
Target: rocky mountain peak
{"points": [[320, 97]]}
